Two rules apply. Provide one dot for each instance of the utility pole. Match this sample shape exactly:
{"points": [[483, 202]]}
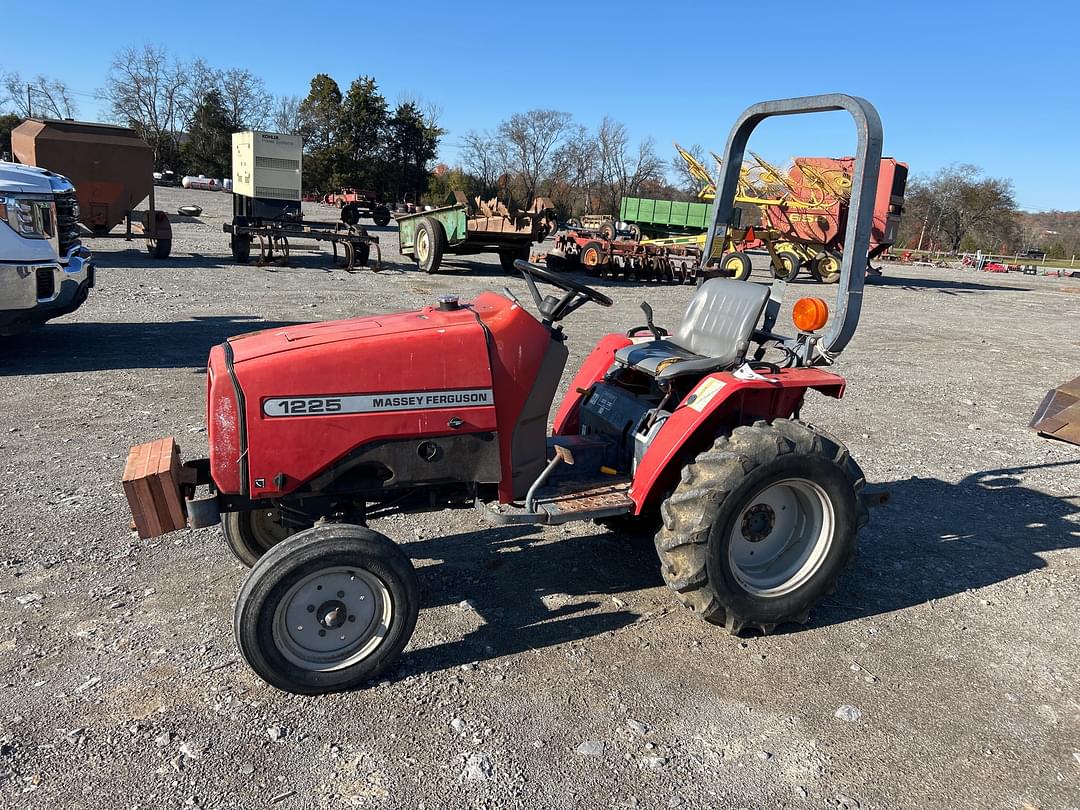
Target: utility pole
{"points": [[29, 102]]}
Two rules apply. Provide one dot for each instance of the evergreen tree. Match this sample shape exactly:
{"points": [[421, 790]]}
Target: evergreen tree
{"points": [[208, 149]]}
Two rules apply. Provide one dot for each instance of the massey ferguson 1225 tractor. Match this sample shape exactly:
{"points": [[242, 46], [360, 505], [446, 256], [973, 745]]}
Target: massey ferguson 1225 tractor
{"points": [[316, 430]]}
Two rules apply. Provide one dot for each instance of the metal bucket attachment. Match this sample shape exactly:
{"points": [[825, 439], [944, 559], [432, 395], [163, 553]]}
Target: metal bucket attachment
{"points": [[1058, 416]]}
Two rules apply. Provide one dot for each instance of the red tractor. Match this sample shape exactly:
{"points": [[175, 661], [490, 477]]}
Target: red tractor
{"points": [[316, 430]]}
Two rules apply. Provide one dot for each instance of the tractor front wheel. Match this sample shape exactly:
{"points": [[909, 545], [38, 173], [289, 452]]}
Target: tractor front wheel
{"points": [[252, 533], [430, 244], [761, 525], [326, 610]]}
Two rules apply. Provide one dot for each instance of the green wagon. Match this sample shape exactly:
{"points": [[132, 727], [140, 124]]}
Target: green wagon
{"points": [[462, 227], [650, 218]]}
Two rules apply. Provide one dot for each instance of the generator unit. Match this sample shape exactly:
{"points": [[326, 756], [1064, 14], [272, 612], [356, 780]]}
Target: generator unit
{"points": [[267, 171]]}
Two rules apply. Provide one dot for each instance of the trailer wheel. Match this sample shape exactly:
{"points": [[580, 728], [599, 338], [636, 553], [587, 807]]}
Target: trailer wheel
{"points": [[761, 525], [507, 257], [607, 231], [826, 267], [738, 265], [252, 533], [635, 231], [592, 258], [381, 215], [430, 244], [159, 248], [326, 610], [790, 262]]}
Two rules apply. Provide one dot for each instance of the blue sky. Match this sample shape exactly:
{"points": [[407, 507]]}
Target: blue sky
{"points": [[988, 83]]}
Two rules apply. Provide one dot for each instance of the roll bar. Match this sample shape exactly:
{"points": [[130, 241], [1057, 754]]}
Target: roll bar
{"points": [[860, 208]]}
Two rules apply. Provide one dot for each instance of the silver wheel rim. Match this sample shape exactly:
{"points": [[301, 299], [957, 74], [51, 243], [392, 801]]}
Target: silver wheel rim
{"points": [[421, 245], [267, 528], [781, 537], [332, 619]]}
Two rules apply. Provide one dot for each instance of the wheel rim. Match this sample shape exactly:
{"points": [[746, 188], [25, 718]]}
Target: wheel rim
{"points": [[829, 266], [332, 619], [266, 527], [781, 537], [422, 245], [734, 265], [590, 258]]}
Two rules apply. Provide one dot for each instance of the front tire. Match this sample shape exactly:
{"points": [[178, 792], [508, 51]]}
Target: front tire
{"points": [[252, 533], [761, 525], [738, 265], [327, 610]]}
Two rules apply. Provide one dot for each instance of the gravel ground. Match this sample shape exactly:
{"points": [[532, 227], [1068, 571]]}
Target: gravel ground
{"points": [[549, 669]]}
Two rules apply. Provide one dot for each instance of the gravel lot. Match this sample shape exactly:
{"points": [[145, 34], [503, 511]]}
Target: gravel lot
{"points": [[549, 669]]}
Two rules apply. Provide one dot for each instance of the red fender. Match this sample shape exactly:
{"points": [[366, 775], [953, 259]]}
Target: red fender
{"points": [[593, 369], [720, 402]]}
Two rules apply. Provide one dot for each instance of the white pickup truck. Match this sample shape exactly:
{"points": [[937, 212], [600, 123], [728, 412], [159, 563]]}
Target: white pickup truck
{"points": [[45, 271]]}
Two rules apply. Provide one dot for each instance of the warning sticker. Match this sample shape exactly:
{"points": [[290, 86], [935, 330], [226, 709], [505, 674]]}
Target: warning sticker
{"points": [[704, 393]]}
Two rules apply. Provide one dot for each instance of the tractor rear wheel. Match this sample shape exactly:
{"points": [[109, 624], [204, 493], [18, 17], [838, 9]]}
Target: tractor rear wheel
{"points": [[252, 533], [761, 524], [790, 262], [430, 244], [326, 610], [738, 265], [350, 214]]}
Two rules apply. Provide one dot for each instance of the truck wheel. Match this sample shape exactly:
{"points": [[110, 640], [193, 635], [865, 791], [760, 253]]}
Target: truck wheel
{"points": [[252, 533], [790, 262], [592, 258], [761, 525], [326, 610], [430, 244], [381, 215], [826, 267], [607, 231], [159, 248], [507, 257], [241, 248], [738, 265]]}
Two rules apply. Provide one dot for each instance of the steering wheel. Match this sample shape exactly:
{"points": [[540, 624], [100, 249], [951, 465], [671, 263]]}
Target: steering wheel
{"points": [[552, 308]]}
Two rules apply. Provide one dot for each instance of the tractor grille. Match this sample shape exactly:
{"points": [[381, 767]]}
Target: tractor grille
{"points": [[46, 285], [67, 222]]}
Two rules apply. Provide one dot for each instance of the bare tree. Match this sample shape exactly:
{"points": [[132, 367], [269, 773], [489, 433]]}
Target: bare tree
{"points": [[39, 97], [285, 114], [958, 206], [622, 171], [246, 100], [575, 171], [484, 156], [150, 91], [688, 182], [532, 140]]}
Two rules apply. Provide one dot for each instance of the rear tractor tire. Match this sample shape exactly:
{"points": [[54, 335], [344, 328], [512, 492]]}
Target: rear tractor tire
{"points": [[761, 524], [326, 610], [252, 533]]}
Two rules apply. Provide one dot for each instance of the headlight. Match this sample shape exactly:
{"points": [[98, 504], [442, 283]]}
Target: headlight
{"points": [[21, 215]]}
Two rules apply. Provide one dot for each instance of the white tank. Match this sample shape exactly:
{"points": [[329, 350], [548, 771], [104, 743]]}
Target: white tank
{"points": [[200, 182]]}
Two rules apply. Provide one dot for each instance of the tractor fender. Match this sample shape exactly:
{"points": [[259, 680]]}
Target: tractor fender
{"points": [[594, 368], [718, 403]]}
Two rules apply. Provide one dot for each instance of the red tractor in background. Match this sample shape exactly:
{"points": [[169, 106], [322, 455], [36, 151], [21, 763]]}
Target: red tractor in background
{"points": [[316, 430], [355, 203]]}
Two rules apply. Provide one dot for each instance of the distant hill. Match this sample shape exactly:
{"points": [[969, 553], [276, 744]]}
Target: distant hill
{"points": [[1048, 229]]}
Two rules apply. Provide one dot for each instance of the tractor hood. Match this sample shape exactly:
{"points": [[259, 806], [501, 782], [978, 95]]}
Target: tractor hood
{"points": [[375, 328], [287, 404]]}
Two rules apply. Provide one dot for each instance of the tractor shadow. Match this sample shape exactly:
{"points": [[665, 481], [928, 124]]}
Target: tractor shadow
{"points": [[100, 346], [936, 539], [527, 588]]}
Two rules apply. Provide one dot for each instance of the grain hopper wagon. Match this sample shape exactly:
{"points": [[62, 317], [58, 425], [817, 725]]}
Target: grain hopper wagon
{"points": [[112, 169]]}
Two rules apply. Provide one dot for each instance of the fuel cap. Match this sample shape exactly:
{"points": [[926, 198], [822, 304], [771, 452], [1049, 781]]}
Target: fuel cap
{"points": [[448, 303]]}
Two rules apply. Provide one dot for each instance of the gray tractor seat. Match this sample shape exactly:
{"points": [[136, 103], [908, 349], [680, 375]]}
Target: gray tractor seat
{"points": [[714, 334]]}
